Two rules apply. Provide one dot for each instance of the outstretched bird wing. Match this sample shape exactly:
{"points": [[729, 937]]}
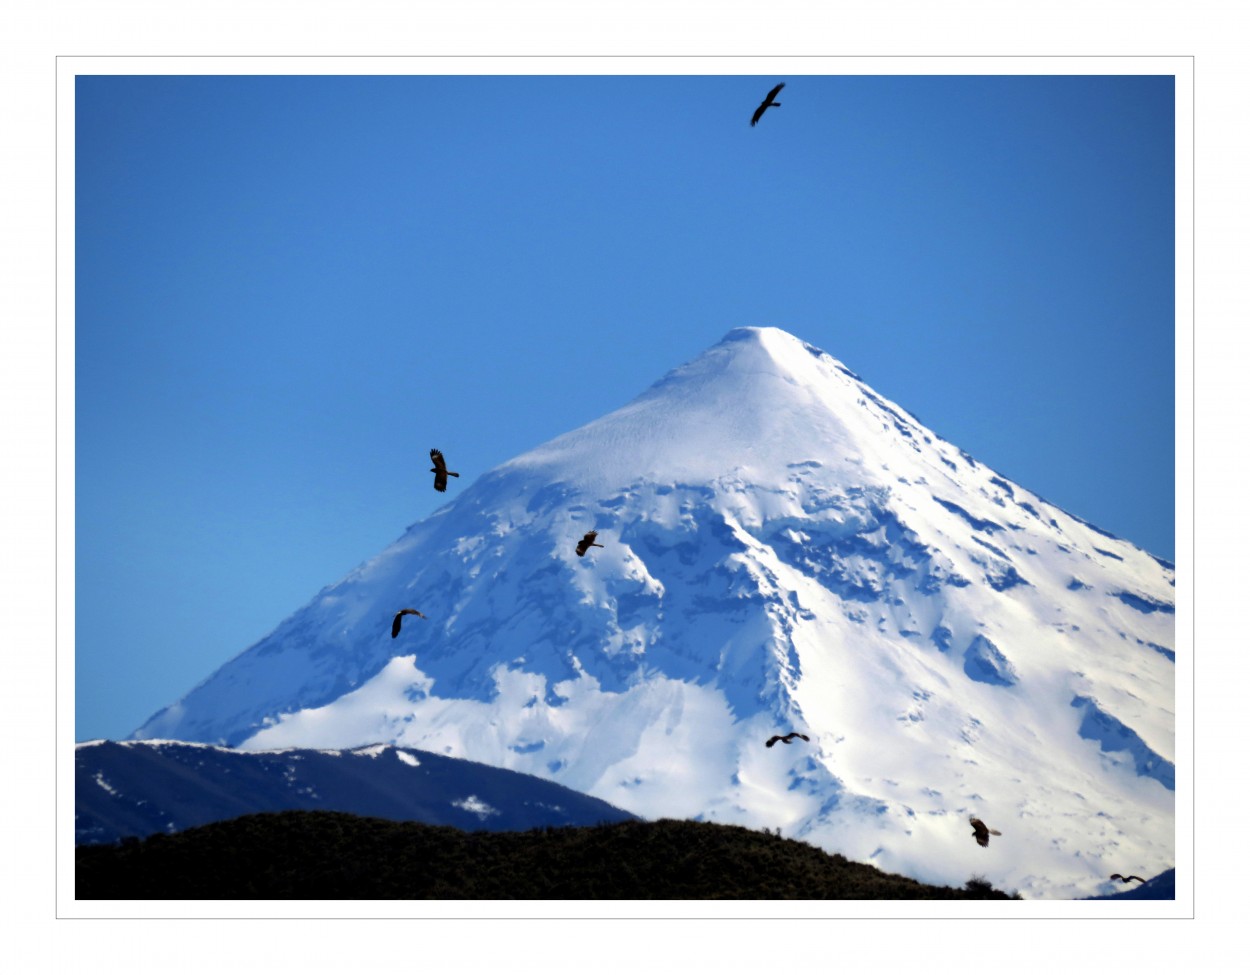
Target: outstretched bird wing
{"points": [[773, 740]]}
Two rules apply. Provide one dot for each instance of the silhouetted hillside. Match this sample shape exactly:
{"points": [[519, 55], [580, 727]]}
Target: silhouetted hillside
{"points": [[326, 855]]}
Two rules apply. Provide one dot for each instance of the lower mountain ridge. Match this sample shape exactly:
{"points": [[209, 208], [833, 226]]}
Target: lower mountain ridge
{"points": [[136, 789]]}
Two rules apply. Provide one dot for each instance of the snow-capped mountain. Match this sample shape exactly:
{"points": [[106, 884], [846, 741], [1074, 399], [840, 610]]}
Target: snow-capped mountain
{"points": [[784, 549], [136, 788]]}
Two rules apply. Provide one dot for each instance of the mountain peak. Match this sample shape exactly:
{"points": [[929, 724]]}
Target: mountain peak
{"points": [[773, 340], [757, 401], [776, 341], [763, 350]]}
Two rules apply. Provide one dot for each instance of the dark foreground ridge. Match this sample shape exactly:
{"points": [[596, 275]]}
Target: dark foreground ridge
{"points": [[337, 856]]}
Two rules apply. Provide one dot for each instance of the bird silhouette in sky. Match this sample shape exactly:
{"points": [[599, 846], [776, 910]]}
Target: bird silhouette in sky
{"points": [[440, 471], [981, 831], [587, 542], [786, 738], [767, 103], [399, 620]]}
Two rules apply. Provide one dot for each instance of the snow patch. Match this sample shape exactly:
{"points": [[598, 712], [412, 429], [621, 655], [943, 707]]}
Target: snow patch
{"points": [[476, 806]]}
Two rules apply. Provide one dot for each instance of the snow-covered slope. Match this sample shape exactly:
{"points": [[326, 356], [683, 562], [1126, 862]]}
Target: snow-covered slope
{"points": [[136, 788], [784, 548]]}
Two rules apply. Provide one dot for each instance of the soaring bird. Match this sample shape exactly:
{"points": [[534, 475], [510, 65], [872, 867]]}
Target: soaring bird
{"points": [[981, 832], [440, 471], [1125, 880], [588, 540], [399, 619], [767, 103], [786, 738]]}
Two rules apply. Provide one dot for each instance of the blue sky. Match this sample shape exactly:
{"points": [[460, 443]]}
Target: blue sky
{"points": [[289, 288]]}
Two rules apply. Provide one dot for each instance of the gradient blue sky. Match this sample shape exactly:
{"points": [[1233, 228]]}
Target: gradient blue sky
{"points": [[289, 288]]}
